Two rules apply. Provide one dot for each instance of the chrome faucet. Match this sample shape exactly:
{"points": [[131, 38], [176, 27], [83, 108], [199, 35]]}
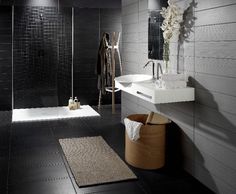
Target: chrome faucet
{"points": [[153, 67], [159, 69]]}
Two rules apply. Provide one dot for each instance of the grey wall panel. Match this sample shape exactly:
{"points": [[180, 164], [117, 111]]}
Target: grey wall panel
{"points": [[219, 15], [129, 28], [209, 4], [125, 3], [216, 100], [219, 67], [221, 136], [217, 117], [213, 182], [219, 32], [223, 50], [217, 151], [130, 38], [186, 108], [225, 85], [187, 146], [208, 58], [130, 9], [178, 117], [130, 19], [218, 169]]}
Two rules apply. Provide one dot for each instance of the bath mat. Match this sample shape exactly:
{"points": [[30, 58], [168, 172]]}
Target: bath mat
{"points": [[92, 161]]}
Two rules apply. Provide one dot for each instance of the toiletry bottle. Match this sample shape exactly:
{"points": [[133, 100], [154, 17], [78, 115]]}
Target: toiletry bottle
{"points": [[77, 104], [71, 103]]}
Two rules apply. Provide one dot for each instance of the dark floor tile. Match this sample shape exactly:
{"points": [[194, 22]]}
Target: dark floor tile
{"points": [[160, 181], [37, 173], [61, 185], [114, 136], [39, 150], [35, 159], [4, 136], [5, 118], [32, 129], [4, 151], [129, 187], [38, 164], [3, 190], [72, 128], [3, 174], [30, 142]]}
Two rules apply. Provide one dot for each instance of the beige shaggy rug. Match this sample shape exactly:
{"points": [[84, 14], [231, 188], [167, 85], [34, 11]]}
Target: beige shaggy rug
{"points": [[92, 161]]}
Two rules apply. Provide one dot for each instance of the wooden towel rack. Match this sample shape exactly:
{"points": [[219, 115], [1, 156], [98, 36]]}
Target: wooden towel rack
{"points": [[114, 48]]}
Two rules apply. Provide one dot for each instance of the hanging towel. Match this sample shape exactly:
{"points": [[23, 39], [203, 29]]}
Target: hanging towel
{"points": [[103, 67], [132, 129]]}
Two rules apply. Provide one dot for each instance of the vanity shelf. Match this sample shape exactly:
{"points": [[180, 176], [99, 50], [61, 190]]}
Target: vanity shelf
{"points": [[149, 92]]}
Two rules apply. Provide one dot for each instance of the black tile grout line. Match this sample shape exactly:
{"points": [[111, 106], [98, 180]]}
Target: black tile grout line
{"points": [[41, 165], [48, 179], [68, 170]]}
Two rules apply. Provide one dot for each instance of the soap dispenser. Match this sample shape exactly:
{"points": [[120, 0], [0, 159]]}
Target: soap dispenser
{"points": [[71, 103], [77, 103]]}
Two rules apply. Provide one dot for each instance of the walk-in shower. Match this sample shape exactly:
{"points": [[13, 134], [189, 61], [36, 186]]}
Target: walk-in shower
{"points": [[42, 56], [54, 54]]}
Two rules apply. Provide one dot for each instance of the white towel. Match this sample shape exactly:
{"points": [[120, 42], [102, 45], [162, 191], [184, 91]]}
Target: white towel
{"points": [[174, 84], [173, 77], [132, 129]]}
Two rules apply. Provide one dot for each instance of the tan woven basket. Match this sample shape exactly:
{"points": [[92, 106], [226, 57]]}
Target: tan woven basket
{"points": [[148, 152]]}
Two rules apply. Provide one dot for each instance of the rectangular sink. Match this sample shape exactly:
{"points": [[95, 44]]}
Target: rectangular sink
{"points": [[149, 92]]}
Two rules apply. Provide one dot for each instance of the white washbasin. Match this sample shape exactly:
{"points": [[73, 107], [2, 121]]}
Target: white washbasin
{"points": [[133, 78]]}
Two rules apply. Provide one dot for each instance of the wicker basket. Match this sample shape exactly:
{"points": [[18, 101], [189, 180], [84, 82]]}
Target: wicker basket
{"points": [[148, 152]]}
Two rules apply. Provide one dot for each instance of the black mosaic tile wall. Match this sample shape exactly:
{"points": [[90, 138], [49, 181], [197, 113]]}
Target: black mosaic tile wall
{"points": [[89, 26], [42, 57], [42, 54], [35, 57], [64, 68], [5, 58]]}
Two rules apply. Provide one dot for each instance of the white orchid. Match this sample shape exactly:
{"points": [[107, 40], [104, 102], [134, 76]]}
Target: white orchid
{"points": [[172, 18], [171, 25]]}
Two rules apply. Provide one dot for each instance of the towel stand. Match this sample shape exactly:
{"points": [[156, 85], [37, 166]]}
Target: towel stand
{"points": [[114, 48]]}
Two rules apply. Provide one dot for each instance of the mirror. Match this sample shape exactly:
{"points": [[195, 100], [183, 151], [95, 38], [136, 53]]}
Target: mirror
{"points": [[155, 35]]}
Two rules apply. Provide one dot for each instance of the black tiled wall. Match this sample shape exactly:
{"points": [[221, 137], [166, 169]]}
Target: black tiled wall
{"points": [[63, 3], [89, 26], [91, 3], [5, 58], [35, 57], [85, 55], [42, 57], [42, 54], [64, 78]]}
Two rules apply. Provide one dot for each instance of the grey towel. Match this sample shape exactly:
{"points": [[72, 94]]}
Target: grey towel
{"points": [[103, 68]]}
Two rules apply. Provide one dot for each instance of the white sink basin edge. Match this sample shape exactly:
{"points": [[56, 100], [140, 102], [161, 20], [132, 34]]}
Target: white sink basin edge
{"points": [[133, 78]]}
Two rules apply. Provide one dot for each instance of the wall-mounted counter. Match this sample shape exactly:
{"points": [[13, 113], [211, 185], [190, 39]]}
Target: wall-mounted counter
{"points": [[148, 91]]}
